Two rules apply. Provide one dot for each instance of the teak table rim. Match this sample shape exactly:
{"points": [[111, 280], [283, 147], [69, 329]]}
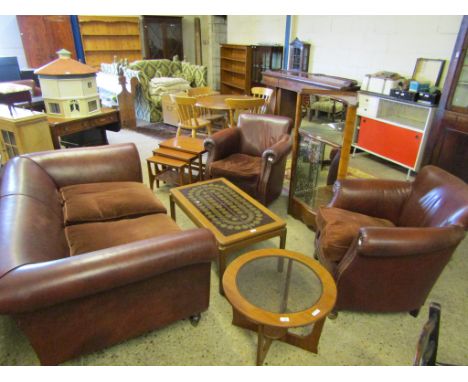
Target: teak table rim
{"points": [[219, 103], [190, 209], [325, 303]]}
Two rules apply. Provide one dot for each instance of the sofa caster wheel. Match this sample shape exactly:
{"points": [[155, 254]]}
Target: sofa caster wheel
{"points": [[333, 315], [414, 312], [195, 319]]}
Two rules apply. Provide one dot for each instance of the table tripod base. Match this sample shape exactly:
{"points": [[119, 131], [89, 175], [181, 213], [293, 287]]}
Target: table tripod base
{"points": [[266, 335]]}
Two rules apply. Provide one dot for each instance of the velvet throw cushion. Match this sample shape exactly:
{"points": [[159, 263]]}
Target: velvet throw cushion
{"points": [[89, 237], [94, 202], [338, 228]]}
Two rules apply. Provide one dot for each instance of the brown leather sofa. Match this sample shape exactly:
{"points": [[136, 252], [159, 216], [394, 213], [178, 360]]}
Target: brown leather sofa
{"points": [[252, 155], [88, 256], [386, 242]]}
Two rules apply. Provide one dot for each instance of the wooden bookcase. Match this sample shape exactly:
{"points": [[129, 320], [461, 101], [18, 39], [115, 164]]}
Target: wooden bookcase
{"points": [[242, 66], [236, 66], [104, 37]]}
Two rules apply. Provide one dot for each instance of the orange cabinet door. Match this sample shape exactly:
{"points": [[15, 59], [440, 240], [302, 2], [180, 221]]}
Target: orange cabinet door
{"points": [[389, 141]]}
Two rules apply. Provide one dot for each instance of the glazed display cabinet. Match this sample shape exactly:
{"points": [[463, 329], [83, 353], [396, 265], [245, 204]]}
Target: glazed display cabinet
{"points": [[448, 140], [320, 155], [162, 36]]}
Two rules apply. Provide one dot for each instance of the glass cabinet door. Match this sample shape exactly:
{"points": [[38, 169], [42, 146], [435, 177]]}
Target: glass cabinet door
{"points": [[9, 145], [318, 145], [460, 94]]}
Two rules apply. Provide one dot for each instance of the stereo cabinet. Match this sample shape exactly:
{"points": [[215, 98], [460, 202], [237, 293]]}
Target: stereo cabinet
{"points": [[393, 129]]}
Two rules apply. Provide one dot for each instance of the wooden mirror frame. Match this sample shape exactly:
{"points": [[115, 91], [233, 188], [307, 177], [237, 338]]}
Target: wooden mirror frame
{"points": [[297, 208]]}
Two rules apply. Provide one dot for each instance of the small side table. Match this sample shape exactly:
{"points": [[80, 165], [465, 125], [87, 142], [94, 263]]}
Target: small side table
{"points": [[187, 145], [270, 301], [168, 166], [11, 93]]}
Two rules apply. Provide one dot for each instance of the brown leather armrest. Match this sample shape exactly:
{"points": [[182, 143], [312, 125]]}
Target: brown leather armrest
{"points": [[34, 286], [407, 241], [278, 151], [222, 144], [374, 197], [111, 163]]}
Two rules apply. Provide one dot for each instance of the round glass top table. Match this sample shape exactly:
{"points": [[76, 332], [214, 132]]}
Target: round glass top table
{"points": [[273, 290]]}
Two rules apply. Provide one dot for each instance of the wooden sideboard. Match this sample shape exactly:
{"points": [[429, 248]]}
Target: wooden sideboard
{"points": [[65, 126], [287, 84]]}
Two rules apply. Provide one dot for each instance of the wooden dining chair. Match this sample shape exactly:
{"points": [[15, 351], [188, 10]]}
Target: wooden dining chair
{"points": [[189, 115], [264, 93], [206, 113], [244, 105]]}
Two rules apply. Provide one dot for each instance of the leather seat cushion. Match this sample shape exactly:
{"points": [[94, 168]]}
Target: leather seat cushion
{"points": [[88, 237], [338, 228], [93, 202], [237, 166]]}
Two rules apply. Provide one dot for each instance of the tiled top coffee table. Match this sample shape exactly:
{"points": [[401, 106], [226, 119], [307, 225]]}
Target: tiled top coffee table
{"points": [[272, 301], [235, 218]]}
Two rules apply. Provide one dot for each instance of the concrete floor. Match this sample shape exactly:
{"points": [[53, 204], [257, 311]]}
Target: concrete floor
{"points": [[351, 339]]}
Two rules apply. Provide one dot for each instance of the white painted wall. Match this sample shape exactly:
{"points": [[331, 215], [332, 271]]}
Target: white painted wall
{"points": [[10, 40], [256, 29], [353, 46]]}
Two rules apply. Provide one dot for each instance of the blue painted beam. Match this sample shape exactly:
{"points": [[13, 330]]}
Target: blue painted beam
{"points": [[287, 38], [77, 38]]}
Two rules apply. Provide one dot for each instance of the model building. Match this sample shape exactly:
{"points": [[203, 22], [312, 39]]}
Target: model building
{"points": [[69, 87]]}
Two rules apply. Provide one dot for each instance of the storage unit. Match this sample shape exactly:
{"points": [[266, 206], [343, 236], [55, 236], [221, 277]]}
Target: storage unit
{"points": [[169, 109], [162, 37], [22, 131], [104, 37], [242, 66], [392, 129]]}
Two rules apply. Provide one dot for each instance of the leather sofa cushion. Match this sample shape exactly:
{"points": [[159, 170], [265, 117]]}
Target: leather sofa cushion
{"points": [[237, 166], [88, 237], [338, 228], [95, 202]]}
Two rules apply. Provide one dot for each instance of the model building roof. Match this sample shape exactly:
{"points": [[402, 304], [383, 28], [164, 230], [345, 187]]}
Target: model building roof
{"points": [[65, 66]]}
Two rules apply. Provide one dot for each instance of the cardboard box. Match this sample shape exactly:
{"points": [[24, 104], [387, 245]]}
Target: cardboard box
{"points": [[169, 110]]}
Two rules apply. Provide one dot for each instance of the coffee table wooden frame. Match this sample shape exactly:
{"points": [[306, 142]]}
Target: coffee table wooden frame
{"points": [[274, 326], [231, 243]]}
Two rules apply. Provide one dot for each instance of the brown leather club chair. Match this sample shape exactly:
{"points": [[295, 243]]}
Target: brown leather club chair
{"points": [[252, 155], [386, 242]]}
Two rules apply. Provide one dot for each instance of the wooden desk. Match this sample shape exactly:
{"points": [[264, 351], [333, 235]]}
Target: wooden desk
{"points": [[65, 126], [288, 84]]}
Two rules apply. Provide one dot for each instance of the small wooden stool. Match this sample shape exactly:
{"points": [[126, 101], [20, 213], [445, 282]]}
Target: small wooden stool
{"points": [[167, 167]]}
